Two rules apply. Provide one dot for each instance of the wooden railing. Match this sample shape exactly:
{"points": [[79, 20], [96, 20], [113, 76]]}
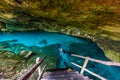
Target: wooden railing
{"points": [[94, 74], [30, 72], [83, 68], [109, 63], [42, 72]]}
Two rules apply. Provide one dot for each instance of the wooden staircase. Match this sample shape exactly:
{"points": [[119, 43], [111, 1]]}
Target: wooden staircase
{"points": [[63, 75]]}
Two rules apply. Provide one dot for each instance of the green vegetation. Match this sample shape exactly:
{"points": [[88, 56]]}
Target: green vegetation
{"points": [[113, 55], [10, 64], [14, 65]]}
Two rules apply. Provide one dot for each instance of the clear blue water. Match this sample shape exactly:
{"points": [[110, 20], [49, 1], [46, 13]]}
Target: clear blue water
{"points": [[75, 45], [39, 38]]}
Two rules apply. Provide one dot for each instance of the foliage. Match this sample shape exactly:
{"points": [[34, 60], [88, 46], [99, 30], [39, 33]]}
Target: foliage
{"points": [[112, 55]]}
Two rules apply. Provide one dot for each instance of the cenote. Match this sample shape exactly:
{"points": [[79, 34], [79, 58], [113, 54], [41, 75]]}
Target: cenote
{"points": [[45, 44]]}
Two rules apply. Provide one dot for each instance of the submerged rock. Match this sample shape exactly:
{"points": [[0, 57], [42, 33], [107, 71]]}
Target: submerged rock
{"points": [[28, 54], [43, 42]]}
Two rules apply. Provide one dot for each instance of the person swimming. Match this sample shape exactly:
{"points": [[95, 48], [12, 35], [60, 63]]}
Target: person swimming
{"points": [[63, 60]]}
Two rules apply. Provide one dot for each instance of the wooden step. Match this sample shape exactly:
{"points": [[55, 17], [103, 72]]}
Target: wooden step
{"points": [[65, 79], [58, 74], [63, 75], [86, 78]]}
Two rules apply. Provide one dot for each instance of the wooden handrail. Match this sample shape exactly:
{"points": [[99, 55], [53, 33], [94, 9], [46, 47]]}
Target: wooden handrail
{"points": [[42, 72], [109, 63], [39, 68], [94, 74], [30, 72]]}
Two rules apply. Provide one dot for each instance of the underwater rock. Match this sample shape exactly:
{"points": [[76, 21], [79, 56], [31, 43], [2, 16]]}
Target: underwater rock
{"points": [[43, 42], [7, 44], [28, 54], [13, 47], [17, 48], [23, 52]]}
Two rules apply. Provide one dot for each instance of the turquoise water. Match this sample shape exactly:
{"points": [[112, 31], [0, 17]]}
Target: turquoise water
{"points": [[39, 38], [71, 44]]}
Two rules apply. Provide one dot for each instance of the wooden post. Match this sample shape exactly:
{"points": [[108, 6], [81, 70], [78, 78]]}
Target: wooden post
{"points": [[43, 70], [39, 68], [84, 66]]}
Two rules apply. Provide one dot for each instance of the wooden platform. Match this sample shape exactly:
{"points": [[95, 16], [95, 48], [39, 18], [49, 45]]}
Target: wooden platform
{"points": [[63, 75]]}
